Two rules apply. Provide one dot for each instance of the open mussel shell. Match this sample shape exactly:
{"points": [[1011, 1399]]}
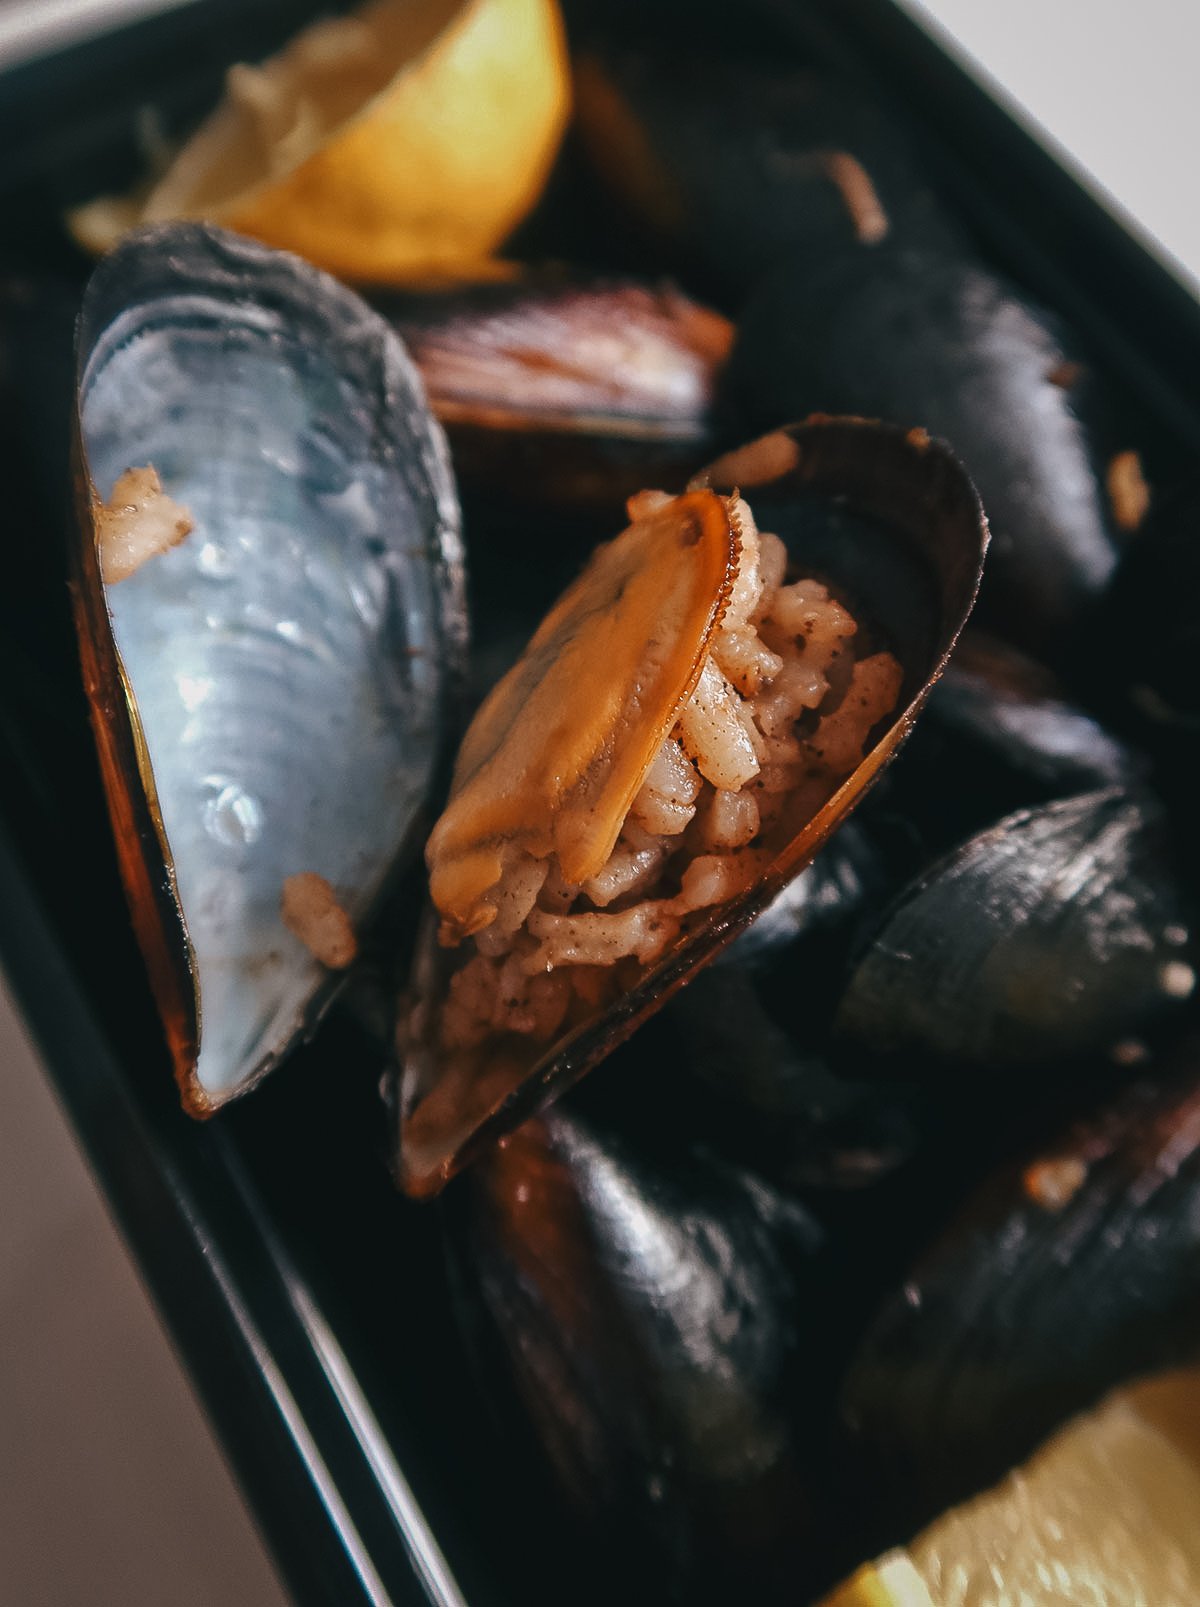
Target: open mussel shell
{"points": [[654, 1308], [1055, 934], [268, 696], [1067, 1273], [933, 338], [786, 1108], [892, 521], [734, 161], [565, 390]]}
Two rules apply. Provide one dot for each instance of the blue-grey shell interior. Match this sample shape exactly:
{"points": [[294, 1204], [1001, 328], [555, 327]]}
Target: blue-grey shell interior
{"points": [[290, 659]]}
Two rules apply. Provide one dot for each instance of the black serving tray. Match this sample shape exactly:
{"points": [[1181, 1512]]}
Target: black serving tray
{"points": [[310, 1303]]}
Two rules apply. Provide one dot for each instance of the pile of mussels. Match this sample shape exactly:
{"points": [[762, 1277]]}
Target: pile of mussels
{"points": [[910, 1170]]}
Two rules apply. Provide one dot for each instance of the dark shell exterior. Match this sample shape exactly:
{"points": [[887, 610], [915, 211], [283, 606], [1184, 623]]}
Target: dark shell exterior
{"points": [[1052, 936], [937, 340], [1151, 612], [735, 162], [649, 1304], [1002, 727], [752, 1035], [564, 391], [1065, 1275]]}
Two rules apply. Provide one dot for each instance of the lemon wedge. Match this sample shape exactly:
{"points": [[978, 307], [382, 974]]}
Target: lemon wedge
{"points": [[403, 141], [1106, 1514]]}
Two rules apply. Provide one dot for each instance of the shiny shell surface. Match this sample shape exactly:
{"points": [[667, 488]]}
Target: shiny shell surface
{"points": [[267, 695]]}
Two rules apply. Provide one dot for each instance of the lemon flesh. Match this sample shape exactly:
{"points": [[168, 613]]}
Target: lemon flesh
{"points": [[404, 141], [1106, 1514], [893, 1581]]}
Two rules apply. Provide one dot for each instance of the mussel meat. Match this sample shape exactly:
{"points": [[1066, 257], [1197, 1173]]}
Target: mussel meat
{"points": [[268, 593], [665, 757]]}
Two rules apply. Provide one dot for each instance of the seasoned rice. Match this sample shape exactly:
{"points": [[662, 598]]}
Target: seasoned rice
{"points": [[779, 717]]}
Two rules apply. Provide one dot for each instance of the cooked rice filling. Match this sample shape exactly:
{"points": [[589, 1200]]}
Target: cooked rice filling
{"points": [[780, 715]]}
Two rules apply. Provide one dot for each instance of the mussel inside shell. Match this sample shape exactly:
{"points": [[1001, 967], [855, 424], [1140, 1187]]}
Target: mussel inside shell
{"points": [[573, 927], [267, 694]]}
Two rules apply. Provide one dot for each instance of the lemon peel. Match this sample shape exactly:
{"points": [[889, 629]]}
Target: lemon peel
{"points": [[403, 142]]}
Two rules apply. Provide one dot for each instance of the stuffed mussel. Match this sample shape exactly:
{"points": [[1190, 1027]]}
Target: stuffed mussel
{"points": [[268, 594], [683, 732]]}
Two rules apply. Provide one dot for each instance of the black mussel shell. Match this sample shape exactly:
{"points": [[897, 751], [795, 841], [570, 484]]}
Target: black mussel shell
{"points": [[648, 1301], [750, 1032], [790, 1113], [567, 391], [822, 908], [1063, 1276], [936, 340], [1002, 727], [736, 161], [1055, 934]]}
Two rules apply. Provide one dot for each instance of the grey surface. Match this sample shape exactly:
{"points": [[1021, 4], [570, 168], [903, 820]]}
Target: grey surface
{"points": [[112, 1492], [1110, 88]]}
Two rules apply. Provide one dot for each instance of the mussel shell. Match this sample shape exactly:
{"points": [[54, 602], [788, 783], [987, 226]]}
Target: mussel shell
{"points": [[1066, 1274], [649, 1302], [822, 908], [894, 521], [1053, 935], [751, 1032], [268, 697], [788, 1111], [935, 339], [1002, 727], [736, 161], [567, 391]]}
